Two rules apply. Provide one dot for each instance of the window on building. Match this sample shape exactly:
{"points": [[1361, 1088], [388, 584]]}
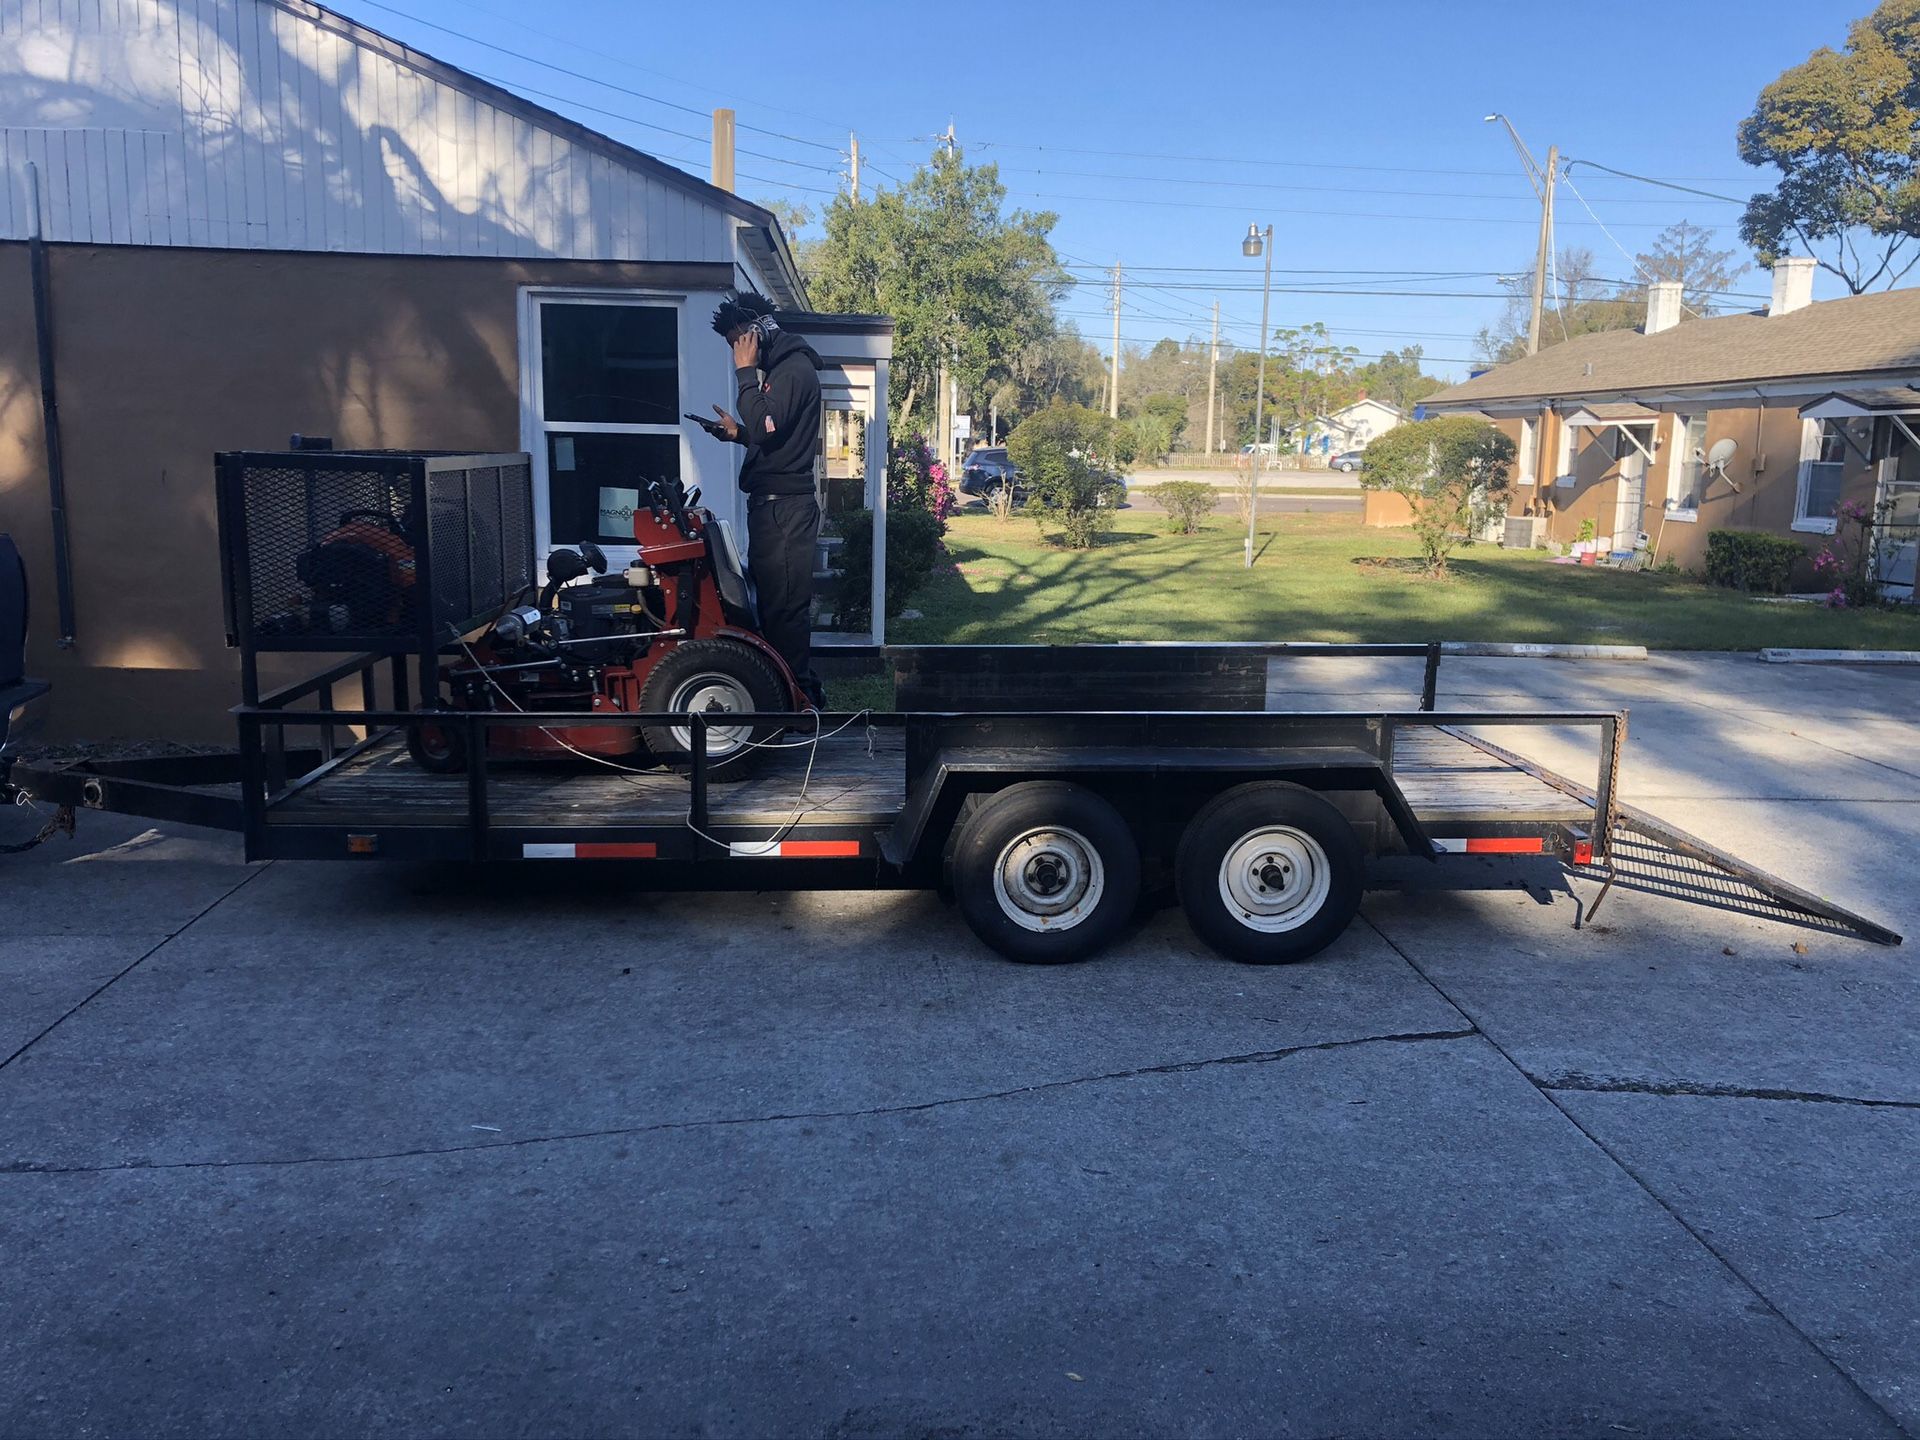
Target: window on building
{"points": [[1688, 477], [1823, 466], [1529, 441], [608, 409], [1570, 436]]}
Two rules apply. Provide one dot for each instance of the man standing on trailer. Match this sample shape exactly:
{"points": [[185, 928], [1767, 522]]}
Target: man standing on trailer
{"points": [[779, 423]]}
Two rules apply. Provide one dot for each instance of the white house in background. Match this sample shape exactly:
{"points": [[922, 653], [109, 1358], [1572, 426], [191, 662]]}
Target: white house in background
{"points": [[1355, 426]]}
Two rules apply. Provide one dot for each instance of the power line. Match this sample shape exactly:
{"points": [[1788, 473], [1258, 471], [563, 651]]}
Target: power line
{"points": [[1650, 180], [1317, 189], [1314, 214], [1282, 164], [590, 79]]}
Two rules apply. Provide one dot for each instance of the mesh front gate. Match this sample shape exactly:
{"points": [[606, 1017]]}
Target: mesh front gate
{"points": [[381, 552]]}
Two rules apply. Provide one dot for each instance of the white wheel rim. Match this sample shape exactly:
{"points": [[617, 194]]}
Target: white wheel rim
{"points": [[1049, 878], [711, 694], [1275, 879]]}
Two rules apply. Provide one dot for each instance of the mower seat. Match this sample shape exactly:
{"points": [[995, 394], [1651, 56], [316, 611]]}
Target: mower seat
{"points": [[730, 577]]}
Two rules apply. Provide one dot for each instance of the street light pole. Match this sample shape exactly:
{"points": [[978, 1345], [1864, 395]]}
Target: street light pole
{"points": [[1256, 244]]}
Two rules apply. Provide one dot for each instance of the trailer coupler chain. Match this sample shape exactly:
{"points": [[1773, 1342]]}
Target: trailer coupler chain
{"points": [[60, 824]]}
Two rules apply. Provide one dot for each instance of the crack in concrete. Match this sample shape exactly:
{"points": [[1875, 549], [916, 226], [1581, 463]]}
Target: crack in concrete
{"points": [[1610, 1085], [1177, 1067]]}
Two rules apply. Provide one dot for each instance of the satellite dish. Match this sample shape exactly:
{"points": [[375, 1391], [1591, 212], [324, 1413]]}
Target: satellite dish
{"points": [[1715, 460]]}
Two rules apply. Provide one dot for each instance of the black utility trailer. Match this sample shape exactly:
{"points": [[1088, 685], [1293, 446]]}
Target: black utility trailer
{"points": [[1047, 823]]}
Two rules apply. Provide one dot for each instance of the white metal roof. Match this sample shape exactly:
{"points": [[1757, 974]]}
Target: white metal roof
{"points": [[279, 125]]}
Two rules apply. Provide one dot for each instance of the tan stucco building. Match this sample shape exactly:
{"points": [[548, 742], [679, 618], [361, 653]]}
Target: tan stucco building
{"points": [[1817, 401]]}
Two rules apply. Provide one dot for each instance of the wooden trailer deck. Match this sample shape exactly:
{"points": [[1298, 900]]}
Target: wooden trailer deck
{"points": [[856, 779]]}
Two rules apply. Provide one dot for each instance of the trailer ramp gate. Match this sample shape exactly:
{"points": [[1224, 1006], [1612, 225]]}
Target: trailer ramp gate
{"points": [[1650, 854]]}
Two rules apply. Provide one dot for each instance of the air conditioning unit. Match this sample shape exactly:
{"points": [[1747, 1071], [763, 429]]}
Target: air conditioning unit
{"points": [[1525, 532]]}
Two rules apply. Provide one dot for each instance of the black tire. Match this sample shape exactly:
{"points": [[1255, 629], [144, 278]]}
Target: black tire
{"points": [[1045, 872], [1269, 873], [440, 748], [725, 675]]}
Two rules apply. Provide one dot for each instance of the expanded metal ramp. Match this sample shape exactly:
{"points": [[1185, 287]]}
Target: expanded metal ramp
{"points": [[1652, 855]]}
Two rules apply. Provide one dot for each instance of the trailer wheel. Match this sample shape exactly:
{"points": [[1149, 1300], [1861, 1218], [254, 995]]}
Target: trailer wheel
{"points": [[712, 677], [1045, 872], [439, 748], [1269, 873]]}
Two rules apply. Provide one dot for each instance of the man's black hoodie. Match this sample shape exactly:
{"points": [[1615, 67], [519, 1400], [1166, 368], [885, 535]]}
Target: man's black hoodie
{"points": [[780, 417]]}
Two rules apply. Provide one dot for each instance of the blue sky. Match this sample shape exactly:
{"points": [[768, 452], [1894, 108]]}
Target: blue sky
{"points": [[1354, 129]]}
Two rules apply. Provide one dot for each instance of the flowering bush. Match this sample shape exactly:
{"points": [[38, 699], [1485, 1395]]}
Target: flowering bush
{"points": [[1847, 559], [917, 481]]}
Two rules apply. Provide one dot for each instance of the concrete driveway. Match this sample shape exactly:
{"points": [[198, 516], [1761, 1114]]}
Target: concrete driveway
{"points": [[321, 1150]]}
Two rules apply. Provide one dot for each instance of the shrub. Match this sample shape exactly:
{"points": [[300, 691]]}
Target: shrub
{"points": [[1752, 560], [1054, 452], [1453, 473], [1187, 503], [917, 481], [914, 552]]}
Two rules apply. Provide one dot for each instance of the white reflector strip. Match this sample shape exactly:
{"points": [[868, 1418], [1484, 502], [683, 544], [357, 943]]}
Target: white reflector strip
{"points": [[546, 852]]}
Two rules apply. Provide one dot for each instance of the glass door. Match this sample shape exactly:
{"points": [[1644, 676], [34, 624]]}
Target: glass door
{"points": [[606, 407]]}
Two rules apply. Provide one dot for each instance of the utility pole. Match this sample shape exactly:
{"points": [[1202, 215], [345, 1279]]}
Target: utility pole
{"points": [[1213, 362], [1113, 389], [1542, 182], [950, 139], [853, 175], [943, 410], [723, 149], [1257, 244], [1541, 255]]}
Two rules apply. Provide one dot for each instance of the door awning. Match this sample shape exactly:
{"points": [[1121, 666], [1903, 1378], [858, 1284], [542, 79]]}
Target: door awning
{"points": [[1858, 404], [1601, 416], [1623, 417]]}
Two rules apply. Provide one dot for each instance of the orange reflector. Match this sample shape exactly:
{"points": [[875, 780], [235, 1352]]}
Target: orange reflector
{"points": [[817, 849], [639, 850], [1507, 845], [363, 844], [1583, 852]]}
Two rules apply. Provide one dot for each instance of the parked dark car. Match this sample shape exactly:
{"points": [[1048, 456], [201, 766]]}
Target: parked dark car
{"points": [[986, 470], [22, 701], [1348, 461]]}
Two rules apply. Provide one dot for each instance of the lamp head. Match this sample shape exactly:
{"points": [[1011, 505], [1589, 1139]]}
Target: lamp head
{"points": [[1489, 118], [1253, 244]]}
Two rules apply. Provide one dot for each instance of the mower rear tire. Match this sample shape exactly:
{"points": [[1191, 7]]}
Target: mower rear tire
{"points": [[713, 677], [1045, 872], [437, 747]]}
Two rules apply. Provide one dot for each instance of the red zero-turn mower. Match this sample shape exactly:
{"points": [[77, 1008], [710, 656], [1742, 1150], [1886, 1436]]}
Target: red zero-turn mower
{"points": [[673, 633]]}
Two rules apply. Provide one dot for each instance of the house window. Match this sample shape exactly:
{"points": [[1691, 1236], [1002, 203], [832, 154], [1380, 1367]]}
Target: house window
{"points": [[1823, 463], [1687, 477], [607, 410], [1569, 453], [1529, 439]]}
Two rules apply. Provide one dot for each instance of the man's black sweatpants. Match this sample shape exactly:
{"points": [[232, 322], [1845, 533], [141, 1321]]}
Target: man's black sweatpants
{"points": [[783, 534]]}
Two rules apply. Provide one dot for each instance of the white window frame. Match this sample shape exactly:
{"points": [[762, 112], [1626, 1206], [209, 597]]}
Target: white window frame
{"points": [[1569, 453], [534, 426], [1811, 432], [1529, 446], [1677, 468]]}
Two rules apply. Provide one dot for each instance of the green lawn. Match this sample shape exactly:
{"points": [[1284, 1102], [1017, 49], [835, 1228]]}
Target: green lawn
{"points": [[1324, 577]]}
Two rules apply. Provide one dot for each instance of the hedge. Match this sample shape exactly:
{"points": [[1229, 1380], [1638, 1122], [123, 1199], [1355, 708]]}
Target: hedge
{"points": [[1752, 560]]}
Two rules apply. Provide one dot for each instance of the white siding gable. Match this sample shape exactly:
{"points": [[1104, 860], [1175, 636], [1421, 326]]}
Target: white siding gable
{"points": [[273, 124]]}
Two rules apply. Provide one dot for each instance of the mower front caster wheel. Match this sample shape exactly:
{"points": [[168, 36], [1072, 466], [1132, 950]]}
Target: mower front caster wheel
{"points": [[1269, 873], [1045, 872], [439, 748]]}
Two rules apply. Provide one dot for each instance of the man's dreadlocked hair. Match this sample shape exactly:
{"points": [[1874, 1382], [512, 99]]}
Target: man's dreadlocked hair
{"points": [[737, 312]]}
